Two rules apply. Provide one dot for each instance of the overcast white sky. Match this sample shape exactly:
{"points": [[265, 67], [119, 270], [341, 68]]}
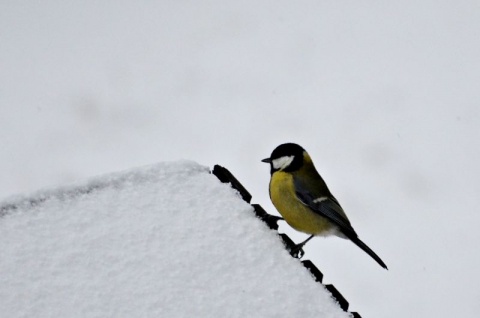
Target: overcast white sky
{"points": [[383, 95]]}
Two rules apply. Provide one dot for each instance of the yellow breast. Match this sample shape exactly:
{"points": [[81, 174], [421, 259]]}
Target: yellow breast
{"points": [[297, 215]]}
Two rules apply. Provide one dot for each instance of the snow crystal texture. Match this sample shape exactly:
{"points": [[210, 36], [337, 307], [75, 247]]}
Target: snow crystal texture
{"points": [[167, 240]]}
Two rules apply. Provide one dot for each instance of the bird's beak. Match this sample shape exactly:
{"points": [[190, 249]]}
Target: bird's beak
{"points": [[267, 160]]}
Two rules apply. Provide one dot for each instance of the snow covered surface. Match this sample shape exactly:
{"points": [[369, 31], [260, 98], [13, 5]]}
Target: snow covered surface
{"points": [[384, 95], [167, 240]]}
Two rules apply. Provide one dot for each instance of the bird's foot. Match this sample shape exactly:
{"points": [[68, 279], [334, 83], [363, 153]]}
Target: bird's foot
{"points": [[297, 251]]}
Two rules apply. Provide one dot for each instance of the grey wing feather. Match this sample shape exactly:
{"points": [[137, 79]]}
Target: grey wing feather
{"points": [[328, 208], [331, 210]]}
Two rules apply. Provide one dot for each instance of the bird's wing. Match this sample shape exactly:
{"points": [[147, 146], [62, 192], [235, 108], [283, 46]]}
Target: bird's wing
{"points": [[326, 206]]}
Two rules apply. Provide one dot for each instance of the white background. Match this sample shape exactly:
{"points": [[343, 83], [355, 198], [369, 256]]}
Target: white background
{"points": [[384, 96]]}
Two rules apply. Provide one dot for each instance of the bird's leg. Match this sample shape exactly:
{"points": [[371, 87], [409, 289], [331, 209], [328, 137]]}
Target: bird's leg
{"points": [[305, 242], [297, 250]]}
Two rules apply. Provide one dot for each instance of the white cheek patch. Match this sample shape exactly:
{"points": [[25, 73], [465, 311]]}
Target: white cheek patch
{"points": [[282, 162]]}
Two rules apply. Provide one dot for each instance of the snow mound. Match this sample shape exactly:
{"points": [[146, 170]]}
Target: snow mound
{"points": [[167, 240]]}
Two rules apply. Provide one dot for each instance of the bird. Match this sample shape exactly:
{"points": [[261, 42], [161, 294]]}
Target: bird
{"points": [[303, 199]]}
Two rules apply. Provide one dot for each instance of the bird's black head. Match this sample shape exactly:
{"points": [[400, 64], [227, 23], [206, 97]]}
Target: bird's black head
{"points": [[286, 157]]}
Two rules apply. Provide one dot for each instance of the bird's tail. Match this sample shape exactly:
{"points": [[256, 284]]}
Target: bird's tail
{"points": [[368, 250]]}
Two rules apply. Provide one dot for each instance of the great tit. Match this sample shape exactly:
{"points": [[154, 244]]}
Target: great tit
{"points": [[303, 199]]}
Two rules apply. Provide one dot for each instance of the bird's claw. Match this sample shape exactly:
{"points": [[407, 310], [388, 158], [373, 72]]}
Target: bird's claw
{"points": [[297, 251]]}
